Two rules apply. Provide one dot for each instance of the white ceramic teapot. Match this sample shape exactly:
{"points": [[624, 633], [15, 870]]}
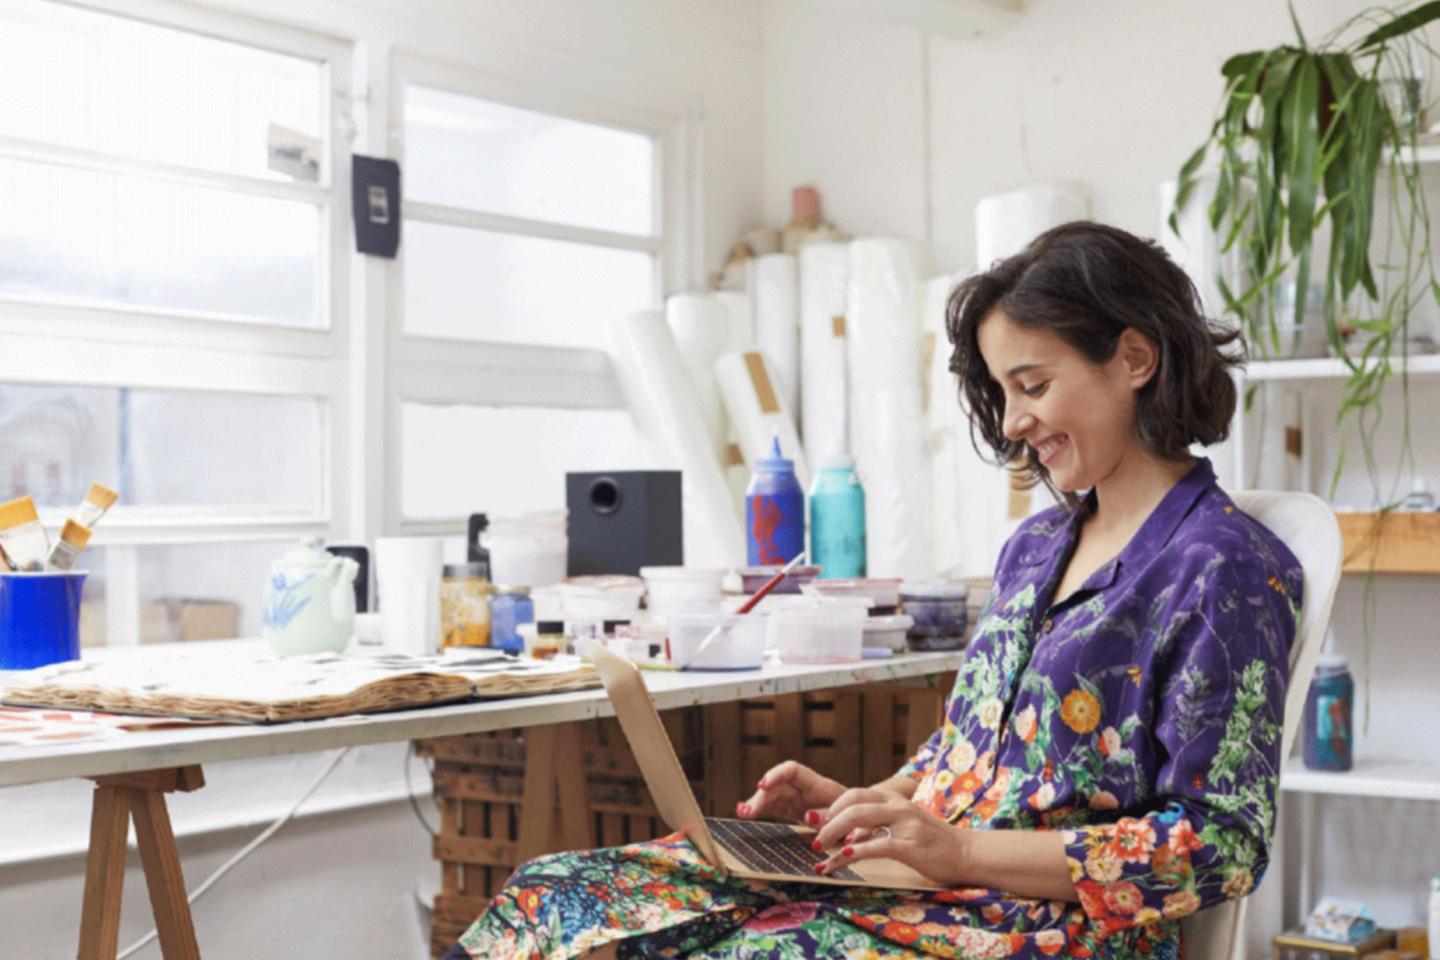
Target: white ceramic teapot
{"points": [[310, 601]]}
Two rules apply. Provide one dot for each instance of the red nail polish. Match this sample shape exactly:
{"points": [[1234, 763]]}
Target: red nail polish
{"points": [[760, 784], [819, 868], [812, 818], [848, 852], [815, 845], [739, 809]]}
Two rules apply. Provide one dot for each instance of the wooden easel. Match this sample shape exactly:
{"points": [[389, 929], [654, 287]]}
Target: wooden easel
{"points": [[118, 797]]}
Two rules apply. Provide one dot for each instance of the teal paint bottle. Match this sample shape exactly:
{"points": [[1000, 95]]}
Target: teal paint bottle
{"points": [[837, 520]]}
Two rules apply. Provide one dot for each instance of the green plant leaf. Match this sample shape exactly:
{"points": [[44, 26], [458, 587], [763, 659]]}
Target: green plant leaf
{"points": [[1299, 34], [1301, 107], [1401, 25]]}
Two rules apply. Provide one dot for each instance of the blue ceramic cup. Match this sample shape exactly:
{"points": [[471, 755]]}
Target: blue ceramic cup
{"points": [[39, 618]]}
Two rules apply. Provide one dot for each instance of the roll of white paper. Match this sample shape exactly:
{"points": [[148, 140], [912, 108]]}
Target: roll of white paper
{"points": [[772, 282], [742, 325], [1005, 224], [407, 574], [758, 412], [700, 325], [824, 268], [657, 391], [943, 416], [887, 410]]}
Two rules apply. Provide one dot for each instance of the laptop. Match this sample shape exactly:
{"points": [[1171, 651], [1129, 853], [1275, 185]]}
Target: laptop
{"points": [[744, 848]]}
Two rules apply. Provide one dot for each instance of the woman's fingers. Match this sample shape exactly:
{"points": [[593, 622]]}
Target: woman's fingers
{"points": [[881, 846], [858, 816], [853, 796]]}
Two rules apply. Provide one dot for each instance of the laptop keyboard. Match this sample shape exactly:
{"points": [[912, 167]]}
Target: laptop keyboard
{"points": [[771, 848]]}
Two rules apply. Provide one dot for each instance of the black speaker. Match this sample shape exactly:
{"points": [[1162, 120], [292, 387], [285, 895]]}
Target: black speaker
{"points": [[622, 521]]}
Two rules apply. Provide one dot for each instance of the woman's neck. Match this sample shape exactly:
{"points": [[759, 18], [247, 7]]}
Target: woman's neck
{"points": [[1132, 491]]}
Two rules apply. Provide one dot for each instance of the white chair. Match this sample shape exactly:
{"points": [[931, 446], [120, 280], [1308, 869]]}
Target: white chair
{"points": [[1306, 525]]}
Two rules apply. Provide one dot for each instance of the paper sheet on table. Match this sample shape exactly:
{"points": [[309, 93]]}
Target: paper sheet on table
{"points": [[255, 685]]}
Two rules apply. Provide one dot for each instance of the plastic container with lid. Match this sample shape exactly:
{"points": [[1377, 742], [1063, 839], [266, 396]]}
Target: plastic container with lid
{"points": [[753, 578], [464, 606], [837, 520], [938, 608], [887, 631], [531, 549], [740, 645], [825, 631], [682, 589], [774, 511], [1329, 737], [602, 597], [884, 594]]}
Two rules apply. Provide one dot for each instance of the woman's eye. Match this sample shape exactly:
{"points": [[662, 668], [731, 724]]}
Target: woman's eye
{"points": [[1036, 390]]}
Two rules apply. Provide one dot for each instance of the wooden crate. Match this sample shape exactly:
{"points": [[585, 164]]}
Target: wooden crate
{"points": [[480, 782], [857, 736]]}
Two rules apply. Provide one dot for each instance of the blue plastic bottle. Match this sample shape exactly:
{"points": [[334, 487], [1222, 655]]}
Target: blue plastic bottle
{"points": [[1329, 736], [837, 520], [774, 512]]}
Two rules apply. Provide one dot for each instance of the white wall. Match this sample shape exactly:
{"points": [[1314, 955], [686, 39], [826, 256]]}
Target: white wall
{"points": [[343, 883]]}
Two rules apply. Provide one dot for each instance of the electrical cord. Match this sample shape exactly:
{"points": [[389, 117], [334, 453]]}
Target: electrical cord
{"points": [[248, 849]]}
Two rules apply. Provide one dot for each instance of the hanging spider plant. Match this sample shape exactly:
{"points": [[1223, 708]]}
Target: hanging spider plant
{"points": [[1303, 133]]}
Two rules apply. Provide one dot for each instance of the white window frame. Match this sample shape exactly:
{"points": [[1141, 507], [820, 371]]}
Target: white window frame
{"points": [[51, 342], [436, 370]]}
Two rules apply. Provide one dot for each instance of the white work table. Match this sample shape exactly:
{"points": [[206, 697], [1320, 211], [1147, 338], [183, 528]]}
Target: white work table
{"points": [[134, 770], [150, 750]]}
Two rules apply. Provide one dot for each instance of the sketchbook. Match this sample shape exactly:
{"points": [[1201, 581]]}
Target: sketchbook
{"points": [[254, 685]]}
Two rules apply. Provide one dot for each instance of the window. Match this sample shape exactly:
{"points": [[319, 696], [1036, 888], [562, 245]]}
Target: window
{"points": [[531, 220], [172, 274]]}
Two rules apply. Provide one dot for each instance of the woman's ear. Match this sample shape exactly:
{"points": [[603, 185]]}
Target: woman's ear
{"points": [[1138, 357]]}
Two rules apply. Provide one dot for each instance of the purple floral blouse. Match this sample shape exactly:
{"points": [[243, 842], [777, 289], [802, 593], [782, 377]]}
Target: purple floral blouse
{"points": [[1141, 714]]}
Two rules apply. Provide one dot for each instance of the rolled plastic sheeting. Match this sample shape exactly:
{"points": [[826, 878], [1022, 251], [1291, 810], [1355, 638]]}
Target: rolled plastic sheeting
{"points": [[772, 282], [701, 327], [1006, 223], [758, 412], [657, 390], [887, 409], [944, 421], [824, 270]]}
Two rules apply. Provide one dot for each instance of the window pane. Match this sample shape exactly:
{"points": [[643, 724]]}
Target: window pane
{"points": [[83, 79], [506, 460], [478, 285], [466, 152], [162, 448], [207, 591], [107, 239]]}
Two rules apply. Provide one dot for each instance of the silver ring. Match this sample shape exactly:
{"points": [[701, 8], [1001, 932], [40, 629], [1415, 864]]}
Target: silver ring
{"points": [[881, 829]]}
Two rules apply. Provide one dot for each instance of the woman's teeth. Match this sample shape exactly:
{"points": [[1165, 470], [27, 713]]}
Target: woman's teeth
{"points": [[1050, 448]]}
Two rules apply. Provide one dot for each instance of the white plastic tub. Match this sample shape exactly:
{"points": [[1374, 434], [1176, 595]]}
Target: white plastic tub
{"points": [[529, 550], [883, 593], [674, 590], [740, 645], [602, 597], [888, 632], [830, 631]]}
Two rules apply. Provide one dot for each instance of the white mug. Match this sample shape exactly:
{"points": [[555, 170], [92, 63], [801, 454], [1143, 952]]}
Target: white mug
{"points": [[407, 573]]}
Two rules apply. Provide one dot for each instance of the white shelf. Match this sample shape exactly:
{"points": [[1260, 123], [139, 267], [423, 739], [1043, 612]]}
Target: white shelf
{"points": [[1424, 153], [1331, 368], [1390, 779]]}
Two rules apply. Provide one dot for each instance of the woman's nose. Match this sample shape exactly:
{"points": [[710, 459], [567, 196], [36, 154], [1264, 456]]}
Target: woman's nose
{"points": [[1016, 423]]}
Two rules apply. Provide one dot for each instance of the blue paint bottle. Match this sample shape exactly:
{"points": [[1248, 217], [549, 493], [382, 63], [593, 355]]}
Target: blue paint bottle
{"points": [[774, 511], [837, 520], [1329, 736]]}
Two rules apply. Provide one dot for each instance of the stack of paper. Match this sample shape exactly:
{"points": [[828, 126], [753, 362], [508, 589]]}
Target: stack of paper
{"points": [[255, 685]]}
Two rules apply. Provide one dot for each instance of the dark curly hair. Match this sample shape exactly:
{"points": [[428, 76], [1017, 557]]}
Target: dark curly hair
{"points": [[1087, 282]]}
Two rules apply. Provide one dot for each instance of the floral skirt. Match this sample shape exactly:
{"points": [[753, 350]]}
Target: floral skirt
{"points": [[661, 899]]}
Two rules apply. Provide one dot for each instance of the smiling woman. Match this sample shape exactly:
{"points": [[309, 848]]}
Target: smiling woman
{"points": [[1108, 759]]}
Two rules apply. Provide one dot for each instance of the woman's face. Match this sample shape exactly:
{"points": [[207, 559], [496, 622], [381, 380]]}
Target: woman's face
{"points": [[1079, 416]]}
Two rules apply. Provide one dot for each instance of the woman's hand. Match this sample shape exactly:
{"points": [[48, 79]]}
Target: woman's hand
{"points": [[870, 823], [790, 791]]}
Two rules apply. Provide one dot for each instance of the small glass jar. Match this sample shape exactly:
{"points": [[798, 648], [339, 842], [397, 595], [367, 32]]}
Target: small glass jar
{"points": [[938, 609], [510, 607], [464, 606], [543, 638]]}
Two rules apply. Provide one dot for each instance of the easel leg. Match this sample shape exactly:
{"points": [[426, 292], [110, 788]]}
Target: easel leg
{"points": [[117, 798], [104, 874]]}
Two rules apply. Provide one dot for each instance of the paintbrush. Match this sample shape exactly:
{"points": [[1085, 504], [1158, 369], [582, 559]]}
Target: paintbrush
{"points": [[746, 607]]}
